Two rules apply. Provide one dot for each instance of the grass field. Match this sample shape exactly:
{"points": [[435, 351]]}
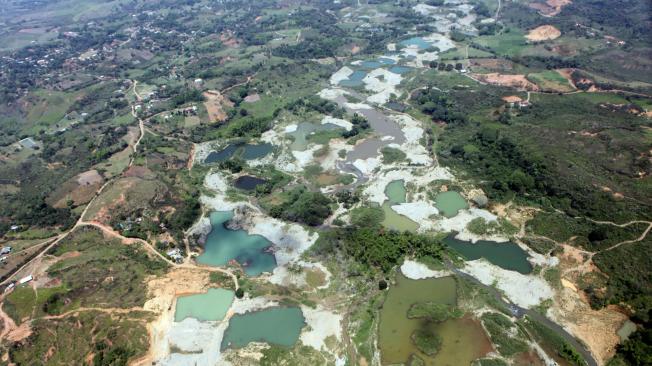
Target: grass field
{"points": [[550, 81]]}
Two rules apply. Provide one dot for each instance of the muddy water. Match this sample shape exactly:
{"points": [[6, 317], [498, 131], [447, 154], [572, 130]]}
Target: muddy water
{"points": [[463, 340], [210, 306], [223, 245], [301, 137], [396, 193], [278, 325], [381, 125]]}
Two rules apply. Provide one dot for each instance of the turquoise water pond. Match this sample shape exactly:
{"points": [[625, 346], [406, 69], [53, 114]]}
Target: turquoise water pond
{"points": [[245, 151], [210, 306], [508, 255], [223, 245], [279, 325], [354, 79], [416, 41], [400, 69], [450, 203]]}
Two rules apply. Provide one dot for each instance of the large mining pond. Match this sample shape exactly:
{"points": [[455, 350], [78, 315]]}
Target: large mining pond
{"points": [[244, 151], [278, 325], [223, 245], [463, 339], [209, 306], [505, 255]]}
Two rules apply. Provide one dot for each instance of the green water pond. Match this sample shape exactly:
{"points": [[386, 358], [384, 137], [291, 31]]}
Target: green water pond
{"points": [[463, 340], [209, 306], [278, 325], [450, 203], [507, 255], [396, 193], [223, 245]]}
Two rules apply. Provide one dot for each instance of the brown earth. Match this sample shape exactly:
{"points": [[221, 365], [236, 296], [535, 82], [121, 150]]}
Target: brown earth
{"points": [[596, 328], [89, 177], [549, 8], [543, 33], [139, 172], [512, 81], [215, 105]]}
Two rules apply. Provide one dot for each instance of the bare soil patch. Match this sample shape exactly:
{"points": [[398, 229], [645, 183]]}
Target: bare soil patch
{"points": [[543, 33], [89, 177], [252, 98], [139, 172], [596, 328], [549, 8], [215, 106], [512, 81]]}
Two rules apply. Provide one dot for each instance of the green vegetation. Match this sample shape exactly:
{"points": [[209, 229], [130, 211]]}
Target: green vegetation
{"points": [[427, 341], [548, 338], [392, 155], [111, 339], [376, 248], [367, 216], [500, 330], [301, 205], [432, 311], [90, 260]]}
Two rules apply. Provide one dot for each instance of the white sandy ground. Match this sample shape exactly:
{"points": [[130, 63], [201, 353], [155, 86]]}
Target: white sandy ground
{"points": [[383, 84], [290, 128], [418, 271], [414, 151], [199, 341], [420, 211], [337, 121], [332, 93], [367, 166], [321, 324], [357, 106], [419, 177], [460, 222], [525, 291], [340, 75], [330, 160]]}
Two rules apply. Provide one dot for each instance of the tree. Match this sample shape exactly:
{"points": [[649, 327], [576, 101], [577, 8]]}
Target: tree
{"points": [[239, 293]]}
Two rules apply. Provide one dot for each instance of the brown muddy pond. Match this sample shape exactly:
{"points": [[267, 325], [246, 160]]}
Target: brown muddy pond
{"points": [[463, 339]]}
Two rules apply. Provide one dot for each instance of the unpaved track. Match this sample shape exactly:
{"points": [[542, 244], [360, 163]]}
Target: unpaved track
{"points": [[109, 231]]}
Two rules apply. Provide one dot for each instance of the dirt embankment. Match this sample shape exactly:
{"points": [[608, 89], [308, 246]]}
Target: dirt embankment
{"points": [[162, 292], [519, 82], [543, 33], [216, 105], [596, 328]]}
